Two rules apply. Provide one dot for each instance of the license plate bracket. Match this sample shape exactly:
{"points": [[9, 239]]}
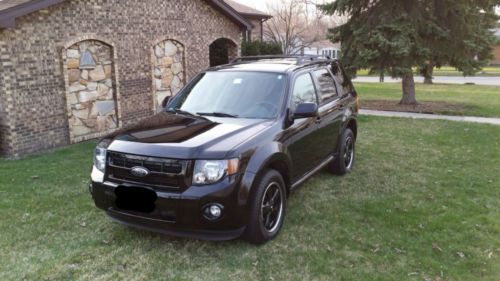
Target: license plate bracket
{"points": [[133, 198]]}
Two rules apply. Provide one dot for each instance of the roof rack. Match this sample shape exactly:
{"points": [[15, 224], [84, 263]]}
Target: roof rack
{"points": [[299, 59]]}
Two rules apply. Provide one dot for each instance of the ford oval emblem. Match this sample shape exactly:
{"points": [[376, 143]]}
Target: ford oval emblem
{"points": [[139, 172]]}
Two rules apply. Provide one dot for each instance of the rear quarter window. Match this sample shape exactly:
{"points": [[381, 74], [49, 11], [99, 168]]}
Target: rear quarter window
{"points": [[345, 85], [327, 89]]}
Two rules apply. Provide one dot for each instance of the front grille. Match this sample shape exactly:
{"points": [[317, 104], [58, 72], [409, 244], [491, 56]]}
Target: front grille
{"points": [[164, 172]]}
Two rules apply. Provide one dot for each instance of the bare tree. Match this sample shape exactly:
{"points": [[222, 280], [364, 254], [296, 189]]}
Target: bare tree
{"points": [[287, 26], [298, 23]]}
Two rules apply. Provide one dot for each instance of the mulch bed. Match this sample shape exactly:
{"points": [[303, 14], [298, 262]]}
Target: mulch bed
{"points": [[431, 107]]}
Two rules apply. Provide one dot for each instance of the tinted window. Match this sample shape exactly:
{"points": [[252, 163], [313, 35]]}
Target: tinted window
{"points": [[303, 90], [338, 74], [327, 87]]}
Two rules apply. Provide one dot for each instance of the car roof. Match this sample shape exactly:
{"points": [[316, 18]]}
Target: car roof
{"points": [[279, 64]]}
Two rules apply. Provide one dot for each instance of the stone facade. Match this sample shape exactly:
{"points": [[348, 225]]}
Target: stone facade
{"points": [[47, 99], [169, 72], [90, 99]]}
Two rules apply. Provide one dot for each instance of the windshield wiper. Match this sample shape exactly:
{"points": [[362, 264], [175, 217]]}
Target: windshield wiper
{"points": [[216, 114], [180, 111]]}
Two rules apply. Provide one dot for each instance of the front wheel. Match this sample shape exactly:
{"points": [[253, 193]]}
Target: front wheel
{"points": [[267, 209], [344, 160]]}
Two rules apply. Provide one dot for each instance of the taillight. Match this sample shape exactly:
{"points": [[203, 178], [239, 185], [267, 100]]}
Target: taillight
{"points": [[357, 103]]}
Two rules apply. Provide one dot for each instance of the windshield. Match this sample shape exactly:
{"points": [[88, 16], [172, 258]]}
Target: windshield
{"points": [[232, 94]]}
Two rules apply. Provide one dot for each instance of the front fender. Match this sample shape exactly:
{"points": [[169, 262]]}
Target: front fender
{"points": [[262, 158]]}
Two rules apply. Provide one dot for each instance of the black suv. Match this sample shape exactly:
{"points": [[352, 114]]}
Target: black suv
{"points": [[223, 156]]}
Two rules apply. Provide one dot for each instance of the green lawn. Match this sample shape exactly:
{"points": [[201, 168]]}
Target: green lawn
{"points": [[449, 71], [475, 100], [422, 202]]}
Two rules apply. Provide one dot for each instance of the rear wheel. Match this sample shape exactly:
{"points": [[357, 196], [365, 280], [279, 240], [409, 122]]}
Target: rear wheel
{"points": [[344, 159], [267, 209]]}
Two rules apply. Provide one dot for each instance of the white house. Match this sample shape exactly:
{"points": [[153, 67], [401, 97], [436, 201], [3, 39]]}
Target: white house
{"points": [[323, 48]]}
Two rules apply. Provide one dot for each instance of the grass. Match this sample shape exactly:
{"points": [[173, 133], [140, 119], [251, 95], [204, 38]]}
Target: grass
{"points": [[472, 100], [422, 202], [488, 71]]}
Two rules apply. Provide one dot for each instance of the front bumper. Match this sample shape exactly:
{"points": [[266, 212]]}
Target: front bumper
{"points": [[181, 213]]}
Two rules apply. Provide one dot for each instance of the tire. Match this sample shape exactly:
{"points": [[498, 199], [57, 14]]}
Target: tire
{"points": [[265, 222], [346, 151]]}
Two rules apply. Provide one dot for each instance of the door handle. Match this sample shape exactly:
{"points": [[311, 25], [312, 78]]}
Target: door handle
{"points": [[318, 120]]}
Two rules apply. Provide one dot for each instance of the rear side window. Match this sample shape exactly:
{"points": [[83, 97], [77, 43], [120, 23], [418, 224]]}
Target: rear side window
{"points": [[345, 85], [303, 90], [327, 89]]}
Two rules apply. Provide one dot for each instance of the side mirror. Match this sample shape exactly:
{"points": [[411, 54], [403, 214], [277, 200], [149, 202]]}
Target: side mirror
{"points": [[304, 110], [165, 101]]}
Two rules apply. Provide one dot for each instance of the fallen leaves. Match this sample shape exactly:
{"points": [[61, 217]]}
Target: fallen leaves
{"points": [[357, 238], [461, 255], [399, 251], [436, 247], [490, 252]]}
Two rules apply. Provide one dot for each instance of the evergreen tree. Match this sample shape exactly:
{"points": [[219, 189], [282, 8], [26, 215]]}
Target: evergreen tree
{"points": [[466, 41], [397, 35]]}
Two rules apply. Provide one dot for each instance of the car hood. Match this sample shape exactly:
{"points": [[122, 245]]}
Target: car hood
{"points": [[185, 137]]}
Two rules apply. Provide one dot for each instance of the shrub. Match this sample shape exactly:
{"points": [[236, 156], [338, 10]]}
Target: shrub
{"points": [[255, 48]]}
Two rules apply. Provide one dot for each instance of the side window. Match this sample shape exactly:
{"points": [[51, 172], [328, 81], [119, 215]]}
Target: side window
{"points": [[303, 90], [327, 89], [339, 75]]}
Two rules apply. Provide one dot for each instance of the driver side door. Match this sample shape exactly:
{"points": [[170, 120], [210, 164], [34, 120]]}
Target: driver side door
{"points": [[302, 134]]}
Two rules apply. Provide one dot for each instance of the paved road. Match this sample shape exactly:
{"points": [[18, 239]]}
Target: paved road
{"points": [[482, 120], [492, 81]]}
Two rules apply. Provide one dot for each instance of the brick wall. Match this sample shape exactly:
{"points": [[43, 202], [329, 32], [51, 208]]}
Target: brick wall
{"points": [[496, 54], [5, 95], [33, 114], [256, 28]]}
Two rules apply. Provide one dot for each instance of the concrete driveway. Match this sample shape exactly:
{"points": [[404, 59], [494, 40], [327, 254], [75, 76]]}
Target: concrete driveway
{"points": [[491, 81]]}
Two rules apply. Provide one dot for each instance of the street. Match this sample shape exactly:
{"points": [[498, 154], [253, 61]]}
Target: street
{"points": [[492, 81]]}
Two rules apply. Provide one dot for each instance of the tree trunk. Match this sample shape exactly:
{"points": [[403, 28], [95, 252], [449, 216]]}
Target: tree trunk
{"points": [[428, 71], [381, 77], [408, 90]]}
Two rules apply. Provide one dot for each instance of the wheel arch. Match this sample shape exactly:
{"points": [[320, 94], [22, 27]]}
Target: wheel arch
{"points": [[353, 125], [283, 167], [272, 156]]}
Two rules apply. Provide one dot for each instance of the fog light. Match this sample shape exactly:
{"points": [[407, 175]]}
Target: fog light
{"points": [[213, 211]]}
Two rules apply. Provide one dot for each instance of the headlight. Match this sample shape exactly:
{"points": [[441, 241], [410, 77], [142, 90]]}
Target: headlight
{"points": [[100, 155], [210, 171]]}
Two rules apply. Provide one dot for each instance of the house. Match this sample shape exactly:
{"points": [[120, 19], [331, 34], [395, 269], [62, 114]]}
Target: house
{"points": [[323, 48], [74, 70], [256, 17], [496, 48]]}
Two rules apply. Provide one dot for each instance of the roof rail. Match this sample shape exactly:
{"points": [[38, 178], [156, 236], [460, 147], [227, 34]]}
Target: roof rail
{"points": [[299, 59]]}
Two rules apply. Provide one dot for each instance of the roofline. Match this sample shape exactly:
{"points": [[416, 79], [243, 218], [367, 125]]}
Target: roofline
{"points": [[237, 17], [8, 16], [255, 15]]}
